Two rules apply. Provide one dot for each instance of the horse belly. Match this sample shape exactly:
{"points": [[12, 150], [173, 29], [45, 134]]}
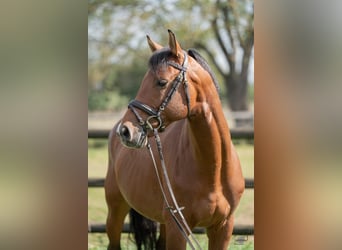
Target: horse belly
{"points": [[138, 183]]}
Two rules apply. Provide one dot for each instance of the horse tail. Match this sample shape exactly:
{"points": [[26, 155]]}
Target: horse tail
{"points": [[144, 230]]}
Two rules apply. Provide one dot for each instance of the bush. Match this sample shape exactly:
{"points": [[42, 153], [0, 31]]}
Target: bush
{"points": [[97, 100], [102, 100], [116, 101]]}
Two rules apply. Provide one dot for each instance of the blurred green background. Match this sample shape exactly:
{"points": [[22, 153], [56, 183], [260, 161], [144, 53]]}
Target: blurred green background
{"points": [[222, 31]]}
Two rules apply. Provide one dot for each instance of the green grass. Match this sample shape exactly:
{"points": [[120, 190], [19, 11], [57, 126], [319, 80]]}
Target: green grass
{"points": [[97, 210], [99, 242]]}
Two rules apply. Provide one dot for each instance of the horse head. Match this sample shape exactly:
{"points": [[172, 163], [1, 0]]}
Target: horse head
{"points": [[163, 96]]}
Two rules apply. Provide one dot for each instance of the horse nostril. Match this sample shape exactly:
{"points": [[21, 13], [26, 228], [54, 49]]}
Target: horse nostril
{"points": [[124, 132]]}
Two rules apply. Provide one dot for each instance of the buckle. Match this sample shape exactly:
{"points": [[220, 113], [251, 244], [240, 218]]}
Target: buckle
{"points": [[149, 121]]}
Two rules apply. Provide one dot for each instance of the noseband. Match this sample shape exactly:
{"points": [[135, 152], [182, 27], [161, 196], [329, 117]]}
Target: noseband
{"points": [[155, 115]]}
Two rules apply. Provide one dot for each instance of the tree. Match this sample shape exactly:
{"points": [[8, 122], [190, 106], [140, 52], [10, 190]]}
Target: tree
{"points": [[234, 19], [222, 29]]}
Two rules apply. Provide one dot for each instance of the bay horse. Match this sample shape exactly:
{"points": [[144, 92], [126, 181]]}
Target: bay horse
{"points": [[201, 162]]}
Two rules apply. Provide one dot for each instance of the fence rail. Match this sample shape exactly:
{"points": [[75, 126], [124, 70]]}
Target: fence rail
{"points": [[235, 133], [238, 230], [99, 182]]}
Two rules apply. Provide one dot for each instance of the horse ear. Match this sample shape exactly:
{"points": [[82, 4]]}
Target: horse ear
{"points": [[153, 45], [174, 45]]}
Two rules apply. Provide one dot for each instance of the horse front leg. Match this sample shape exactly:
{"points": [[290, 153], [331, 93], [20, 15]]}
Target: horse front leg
{"points": [[114, 224], [117, 211], [219, 235], [174, 237]]}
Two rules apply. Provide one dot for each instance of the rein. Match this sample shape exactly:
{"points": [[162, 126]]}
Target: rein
{"points": [[181, 223], [173, 208]]}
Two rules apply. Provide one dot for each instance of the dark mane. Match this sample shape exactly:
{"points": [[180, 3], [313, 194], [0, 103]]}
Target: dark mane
{"points": [[161, 57], [200, 59]]}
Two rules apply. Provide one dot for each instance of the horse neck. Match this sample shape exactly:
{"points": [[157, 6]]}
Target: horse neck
{"points": [[210, 137]]}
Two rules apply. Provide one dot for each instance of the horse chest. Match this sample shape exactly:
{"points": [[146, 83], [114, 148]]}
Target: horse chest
{"points": [[138, 184]]}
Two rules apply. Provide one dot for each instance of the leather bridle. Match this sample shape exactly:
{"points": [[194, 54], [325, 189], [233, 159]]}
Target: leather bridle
{"points": [[155, 115]]}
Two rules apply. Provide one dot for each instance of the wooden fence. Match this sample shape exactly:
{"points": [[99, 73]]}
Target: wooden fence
{"points": [[99, 182]]}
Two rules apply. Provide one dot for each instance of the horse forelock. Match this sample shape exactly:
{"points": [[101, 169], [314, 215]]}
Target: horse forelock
{"points": [[160, 57]]}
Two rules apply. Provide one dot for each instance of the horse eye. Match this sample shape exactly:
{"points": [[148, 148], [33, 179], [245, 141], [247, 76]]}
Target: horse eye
{"points": [[162, 82]]}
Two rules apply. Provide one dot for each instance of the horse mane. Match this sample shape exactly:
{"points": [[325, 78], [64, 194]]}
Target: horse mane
{"points": [[201, 61], [160, 57]]}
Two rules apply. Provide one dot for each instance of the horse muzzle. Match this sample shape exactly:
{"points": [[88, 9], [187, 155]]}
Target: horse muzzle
{"points": [[131, 136]]}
